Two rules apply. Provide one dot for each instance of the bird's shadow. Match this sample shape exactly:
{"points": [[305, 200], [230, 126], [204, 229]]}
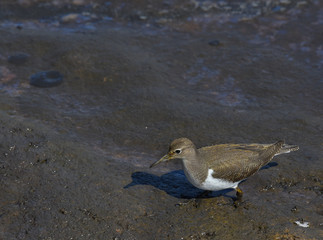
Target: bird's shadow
{"points": [[175, 184]]}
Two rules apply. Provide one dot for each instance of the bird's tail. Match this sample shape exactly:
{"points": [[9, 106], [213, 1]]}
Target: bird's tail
{"points": [[287, 148]]}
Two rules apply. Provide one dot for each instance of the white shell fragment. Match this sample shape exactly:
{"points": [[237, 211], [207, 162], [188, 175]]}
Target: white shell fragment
{"points": [[302, 224]]}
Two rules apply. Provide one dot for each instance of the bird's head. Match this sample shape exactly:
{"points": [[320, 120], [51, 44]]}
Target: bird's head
{"points": [[180, 148]]}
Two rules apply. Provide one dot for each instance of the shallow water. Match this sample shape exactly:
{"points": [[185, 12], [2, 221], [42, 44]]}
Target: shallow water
{"points": [[138, 75]]}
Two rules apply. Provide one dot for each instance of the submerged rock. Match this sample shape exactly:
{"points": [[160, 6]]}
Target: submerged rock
{"points": [[18, 58], [214, 43], [46, 79]]}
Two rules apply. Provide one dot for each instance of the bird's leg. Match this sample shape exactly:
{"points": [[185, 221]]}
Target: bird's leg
{"points": [[239, 194], [238, 199]]}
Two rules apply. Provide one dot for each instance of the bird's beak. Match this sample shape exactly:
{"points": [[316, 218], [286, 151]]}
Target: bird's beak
{"points": [[165, 158]]}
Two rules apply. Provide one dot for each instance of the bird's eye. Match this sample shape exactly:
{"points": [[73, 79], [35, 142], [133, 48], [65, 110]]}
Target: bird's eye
{"points": [[178, 151]]}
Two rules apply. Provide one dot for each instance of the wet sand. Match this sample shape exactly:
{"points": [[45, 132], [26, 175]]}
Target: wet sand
{"points": [[75, 157]]}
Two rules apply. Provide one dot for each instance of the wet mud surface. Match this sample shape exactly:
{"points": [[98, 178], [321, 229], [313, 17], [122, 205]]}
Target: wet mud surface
{"points": [[75, 157]]}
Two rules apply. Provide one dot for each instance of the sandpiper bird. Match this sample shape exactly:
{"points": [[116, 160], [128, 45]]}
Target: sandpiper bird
{"points": [[223, 166]]}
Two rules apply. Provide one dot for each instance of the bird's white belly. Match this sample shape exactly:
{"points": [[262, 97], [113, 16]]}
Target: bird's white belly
{"points": [[216, 184]]}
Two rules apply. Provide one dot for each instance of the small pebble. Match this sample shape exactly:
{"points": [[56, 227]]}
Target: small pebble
{"points": [[18, 58], [285, 1], [71, 17], [302, 223], [214, 43], [78, 2], [46, 79], [301, 3]]}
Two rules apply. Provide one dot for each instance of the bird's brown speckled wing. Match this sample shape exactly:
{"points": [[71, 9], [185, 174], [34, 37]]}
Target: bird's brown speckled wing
{"points": [[236, 162]]}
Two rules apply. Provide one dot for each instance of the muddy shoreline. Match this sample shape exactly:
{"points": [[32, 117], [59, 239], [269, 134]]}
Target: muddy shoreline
{"points": [[51, 191]]}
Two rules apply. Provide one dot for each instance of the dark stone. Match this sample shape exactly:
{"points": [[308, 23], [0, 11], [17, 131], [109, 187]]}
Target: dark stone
{"points": [[46, 79], [18, 58], [214, 43]]}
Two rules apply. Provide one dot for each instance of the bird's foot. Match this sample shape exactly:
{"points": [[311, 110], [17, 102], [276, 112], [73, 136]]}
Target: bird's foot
{"points": [[237, 203], [241, 204]]}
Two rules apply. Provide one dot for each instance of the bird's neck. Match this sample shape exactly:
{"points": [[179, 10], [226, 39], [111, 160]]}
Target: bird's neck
{"points": [[194, 168]]}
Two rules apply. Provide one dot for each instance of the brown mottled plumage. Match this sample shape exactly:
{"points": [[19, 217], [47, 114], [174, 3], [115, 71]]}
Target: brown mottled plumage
{"points": [[222, 166]]}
